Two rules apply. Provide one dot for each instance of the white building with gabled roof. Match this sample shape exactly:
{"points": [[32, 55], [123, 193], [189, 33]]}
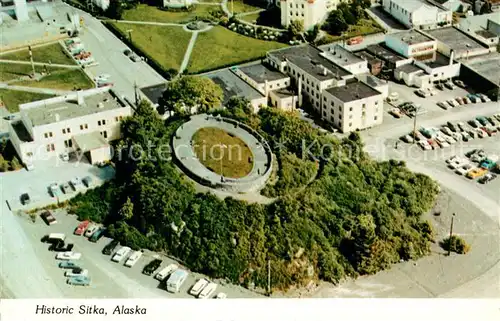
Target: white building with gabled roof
{"points": [[418, 14]]}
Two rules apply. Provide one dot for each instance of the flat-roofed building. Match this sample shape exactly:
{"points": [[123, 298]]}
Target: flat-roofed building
{"points": [[263, 78], [353, 106], [454, 40], [346, 59], [412, 44], [82, 122], [391, 59], [418, 14]]}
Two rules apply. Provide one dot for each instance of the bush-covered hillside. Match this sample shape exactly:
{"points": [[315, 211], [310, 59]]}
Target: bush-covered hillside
{"points": [[352, 215]]}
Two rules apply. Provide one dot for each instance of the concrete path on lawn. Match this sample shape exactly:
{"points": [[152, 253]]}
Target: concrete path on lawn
{"points": [[46, 91], [223, 5], [20, 62], [239, 15], [152, 23], [188, 52]]}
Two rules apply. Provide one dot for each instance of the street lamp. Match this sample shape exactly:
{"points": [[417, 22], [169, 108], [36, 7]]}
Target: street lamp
{"points": [[451, 234], [221, 157], [129, 31]]}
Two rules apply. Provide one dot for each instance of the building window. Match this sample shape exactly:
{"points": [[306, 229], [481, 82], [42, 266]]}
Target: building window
{"points": [[68, 143], [350, 108], [324, 113], [376, 103], [375, 118], [324, 98], [64, 130], [50, 147], [363, 114], [350, 124], [302, 6], [104, 134], [84, 126], [48, 134], [364, 106]]}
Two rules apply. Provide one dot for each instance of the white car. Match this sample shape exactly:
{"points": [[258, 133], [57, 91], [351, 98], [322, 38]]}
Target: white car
{"points": [[68, 256], [458, 162], [481, 133], [198, 287], [464, 169], [457, 136], [207, 291], [443, 105], [446, 130], [103, 77], [484, 97], [121, 254], [424, 145], [77, 183], [166, 271], [133, 258], [221, 295], [90, 230], [449, 139], [451, 159], [76, 272]]}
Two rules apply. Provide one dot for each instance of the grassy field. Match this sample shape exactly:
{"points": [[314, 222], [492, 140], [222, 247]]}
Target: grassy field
{"points": [[252, 18], [144, 12], [53, 53], [235, 160], [239, 6], [62, 79], [166, 45], [364, 27], [13, 71], [220, 47], [13, 98]]}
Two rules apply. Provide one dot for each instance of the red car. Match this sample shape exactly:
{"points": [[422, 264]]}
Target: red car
{"points": [[81, 228], [488, 131]]}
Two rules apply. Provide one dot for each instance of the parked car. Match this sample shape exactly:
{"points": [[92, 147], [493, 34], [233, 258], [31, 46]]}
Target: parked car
{"points": [[60, 246], [453, 103], [407, 139], [221, 295], [444, 105], [492, 121], [82, 227], [476, 172], [449, 85], [65, 156], [68, 265], [54, 190], [441, 141], [424, 145], [484, 98], [9, 117], [152, 266], [97, 234], [396, 112], [457, 163], [79, 280], [462, 127], [489, 131], [487, 178], [102, 77], [121, 254], [53, 238], [459, 83], [68, 256], [446, 130], [467, 100], [439, 86], [208, 291], [198, 287], [133, 259], [87, 180], [76, 272], [134, 57], [474, 152], [422, 93], [434, 144], [111, 247], [90, 230], [464, 169], [25, 199], [472, 133], [474, 123], [127, 52], [166, 272], [477, 157], [76, 183], [66, 188], [460, 101], [48, 218], [466, 137], [482, 120], [497, 116]]}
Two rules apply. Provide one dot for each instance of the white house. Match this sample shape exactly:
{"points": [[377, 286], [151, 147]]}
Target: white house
{"points": [[418, 14], [310, 12], [81, 122]]}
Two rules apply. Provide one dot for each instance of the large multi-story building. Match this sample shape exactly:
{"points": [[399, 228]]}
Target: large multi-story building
{"points": [[310, 12], [82, 123], [418, 14]]}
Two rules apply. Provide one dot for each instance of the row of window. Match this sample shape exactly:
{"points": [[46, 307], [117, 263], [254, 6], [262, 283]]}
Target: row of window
{"points": [[296, 14], [296, 6], [82, 127], [69, 142]]}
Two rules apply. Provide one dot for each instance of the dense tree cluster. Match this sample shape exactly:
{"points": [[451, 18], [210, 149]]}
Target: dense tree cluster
{"points": [[8, 160], [345, 15], [352, 215]]}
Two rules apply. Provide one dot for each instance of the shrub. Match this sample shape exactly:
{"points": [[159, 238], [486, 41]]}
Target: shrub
{"points": [[455, 244]]}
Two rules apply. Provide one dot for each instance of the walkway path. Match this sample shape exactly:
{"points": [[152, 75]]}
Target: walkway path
{"points": [[223, 5], [154, 23], [46, 91], [188, 52], [249, 13], [20, 62]]}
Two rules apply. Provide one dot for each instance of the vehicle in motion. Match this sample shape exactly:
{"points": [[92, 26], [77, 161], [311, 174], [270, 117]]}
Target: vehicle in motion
{"points": [[176, 280], [79, 280], [166, 271], [68, 256], [198, 287], [121, 254], [111, 247], [76, 272], [48, 218], [132, 260], [82, 227], [207, 291], [152, 266], [68, 265]]}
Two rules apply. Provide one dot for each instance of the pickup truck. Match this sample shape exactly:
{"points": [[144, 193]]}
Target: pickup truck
{"points": [[489, 163]]}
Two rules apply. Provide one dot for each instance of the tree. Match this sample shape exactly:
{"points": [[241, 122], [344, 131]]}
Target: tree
{"points": [[455, 244], [335, 23], [127, 210], [4, 164], [295, 28], [312, 34], [347, 13], [115, 10], [186, 92], [15, 165]]}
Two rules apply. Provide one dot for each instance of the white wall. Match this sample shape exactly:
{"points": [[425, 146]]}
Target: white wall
{"points": [[284, 103], [310, 12]]}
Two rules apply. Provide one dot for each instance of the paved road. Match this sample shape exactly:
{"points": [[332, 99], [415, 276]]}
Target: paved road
{"points": [[367, 40], [107, 50]]}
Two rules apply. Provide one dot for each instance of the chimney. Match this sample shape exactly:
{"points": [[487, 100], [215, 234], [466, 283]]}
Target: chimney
{"points": [[325, 71], [79, 98], [57, 117], [452, 55]]}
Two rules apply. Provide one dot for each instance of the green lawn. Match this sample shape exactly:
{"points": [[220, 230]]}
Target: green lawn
{"points": [[13, 98], [364, 27], [239, 6], [13, 71], [234, 160], [62, 79], [144, 12], [53, 53], [220, 47], [252, 18], [166, 45]]}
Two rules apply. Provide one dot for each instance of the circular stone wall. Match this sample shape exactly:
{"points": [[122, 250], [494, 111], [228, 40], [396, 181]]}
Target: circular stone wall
{"points": [[259, 161]]}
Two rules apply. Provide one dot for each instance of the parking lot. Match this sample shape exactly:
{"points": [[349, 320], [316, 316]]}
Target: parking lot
{"points": [[108, 279]]}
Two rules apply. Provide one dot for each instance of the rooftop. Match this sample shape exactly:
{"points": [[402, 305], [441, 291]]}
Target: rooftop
{"points": [[408, 68], [309, 59], [479, 22], [411, 5], [90, 141], [341, 56], [260, 73], [440, 61], [486, 65], [232, 85], [384, 53], [455, 39], [353, 91], [284, 92], [411, 37], [54, 112], [154, 92], [368, 57], [486, 34], [21, 131]]}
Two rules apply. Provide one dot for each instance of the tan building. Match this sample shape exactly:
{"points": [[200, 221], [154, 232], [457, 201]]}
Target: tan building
{"points": [[310, 12], [82, 122]]}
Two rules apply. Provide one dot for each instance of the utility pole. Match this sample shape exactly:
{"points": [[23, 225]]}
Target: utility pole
{"points": [[268, 277], [135, 94], [451, 234], [415, 126], [31, 59], [129, 31]]}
